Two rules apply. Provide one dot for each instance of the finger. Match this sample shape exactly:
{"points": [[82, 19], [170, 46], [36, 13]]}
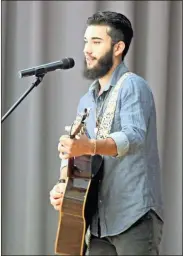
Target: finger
{"points": [[56, 194], [60, 187], [57, 207], [59, 145], [66, 142], [63, 156], [63, 150], [64, 137], [55, 202]]}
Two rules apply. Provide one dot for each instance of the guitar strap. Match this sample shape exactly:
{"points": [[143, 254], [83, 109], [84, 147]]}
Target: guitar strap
{"points": [[106, 122]]}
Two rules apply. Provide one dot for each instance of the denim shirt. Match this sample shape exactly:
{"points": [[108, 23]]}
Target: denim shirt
{"points": [[131, 183]]}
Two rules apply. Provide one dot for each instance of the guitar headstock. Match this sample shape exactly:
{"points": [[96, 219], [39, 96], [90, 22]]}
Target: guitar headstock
{"points": [[78, 125]]}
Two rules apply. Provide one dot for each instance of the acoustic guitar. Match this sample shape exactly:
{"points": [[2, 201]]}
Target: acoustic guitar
{"points": [[80, 197]]}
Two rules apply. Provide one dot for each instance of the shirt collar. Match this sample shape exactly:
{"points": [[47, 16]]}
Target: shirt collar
{"points": [[117, 73]]}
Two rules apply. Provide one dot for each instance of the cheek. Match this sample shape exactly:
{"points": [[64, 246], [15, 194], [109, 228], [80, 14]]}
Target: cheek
{"points": [[98, 55], [99, 51]]}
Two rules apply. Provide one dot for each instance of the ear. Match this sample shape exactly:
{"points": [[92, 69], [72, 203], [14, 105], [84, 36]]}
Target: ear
{"points": [[119, 48]]}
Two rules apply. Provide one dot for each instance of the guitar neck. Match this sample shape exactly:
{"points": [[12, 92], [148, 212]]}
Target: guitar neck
{"points": [[70, 167]]}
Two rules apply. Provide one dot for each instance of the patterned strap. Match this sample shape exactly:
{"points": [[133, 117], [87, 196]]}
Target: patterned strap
{"points": [[106, 122]]}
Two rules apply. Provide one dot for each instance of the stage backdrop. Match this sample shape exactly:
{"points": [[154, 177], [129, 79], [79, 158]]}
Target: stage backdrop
{"points": [[37, 32]]}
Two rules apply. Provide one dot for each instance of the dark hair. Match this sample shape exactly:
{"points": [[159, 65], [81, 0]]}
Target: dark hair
{"points": [[120, 27]]}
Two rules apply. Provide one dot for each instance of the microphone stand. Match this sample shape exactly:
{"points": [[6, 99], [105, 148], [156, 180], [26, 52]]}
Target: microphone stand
{"points": [[36, 83]]}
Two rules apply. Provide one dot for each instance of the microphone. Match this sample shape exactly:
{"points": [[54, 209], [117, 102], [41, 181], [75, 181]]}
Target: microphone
{"points": [[65, 63]]}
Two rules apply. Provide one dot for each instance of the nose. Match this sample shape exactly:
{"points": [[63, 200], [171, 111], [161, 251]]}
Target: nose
{"points": [[87, 48]]}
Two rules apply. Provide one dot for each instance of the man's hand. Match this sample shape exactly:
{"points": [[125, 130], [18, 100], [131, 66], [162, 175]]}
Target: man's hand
{"points": [[79, 146], [56, 195]]}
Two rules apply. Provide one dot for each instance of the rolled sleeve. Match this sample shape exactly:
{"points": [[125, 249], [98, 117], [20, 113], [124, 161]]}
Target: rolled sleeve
{"points": [[134, 112], [121, 141], [136, 102]]}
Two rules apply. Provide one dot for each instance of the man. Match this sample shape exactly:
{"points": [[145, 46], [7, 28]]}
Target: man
{"points": [[129, 217]]}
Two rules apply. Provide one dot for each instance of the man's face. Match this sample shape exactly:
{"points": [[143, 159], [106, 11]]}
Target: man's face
{"points": [[98, 52]]}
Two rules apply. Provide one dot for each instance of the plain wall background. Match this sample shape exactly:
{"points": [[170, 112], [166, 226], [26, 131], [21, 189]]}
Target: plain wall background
{"points": [[37, 32]]}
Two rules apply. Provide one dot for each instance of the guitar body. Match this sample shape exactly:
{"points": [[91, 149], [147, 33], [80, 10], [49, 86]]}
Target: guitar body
{"points": [[79, 204]]}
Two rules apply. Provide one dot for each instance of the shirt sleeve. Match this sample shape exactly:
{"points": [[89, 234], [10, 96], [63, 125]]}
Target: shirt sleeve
{"points": [[135, 109]]}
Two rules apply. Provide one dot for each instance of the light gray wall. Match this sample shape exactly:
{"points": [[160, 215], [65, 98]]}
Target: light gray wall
{"points": [[37, 32]]}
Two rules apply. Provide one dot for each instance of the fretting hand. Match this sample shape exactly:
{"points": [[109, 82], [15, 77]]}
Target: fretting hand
{"points": [[78, 146]]}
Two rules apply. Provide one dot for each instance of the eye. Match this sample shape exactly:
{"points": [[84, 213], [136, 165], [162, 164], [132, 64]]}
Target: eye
{"points": [[96, 42]]}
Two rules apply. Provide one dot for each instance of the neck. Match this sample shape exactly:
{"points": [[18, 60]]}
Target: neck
{"points": [[105, 79]]}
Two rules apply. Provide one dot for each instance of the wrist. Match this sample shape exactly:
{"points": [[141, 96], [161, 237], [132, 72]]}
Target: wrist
{"points": [[93, 147], [61, 181]]}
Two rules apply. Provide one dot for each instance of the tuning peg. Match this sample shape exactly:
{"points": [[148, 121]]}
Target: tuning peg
{"points": [[67, 128]]}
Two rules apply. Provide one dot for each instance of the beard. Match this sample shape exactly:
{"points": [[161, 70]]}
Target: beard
{"points": [[102, 67]]}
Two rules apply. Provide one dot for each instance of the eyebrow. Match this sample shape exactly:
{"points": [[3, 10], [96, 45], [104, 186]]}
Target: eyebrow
{"points": [[94, 38]]}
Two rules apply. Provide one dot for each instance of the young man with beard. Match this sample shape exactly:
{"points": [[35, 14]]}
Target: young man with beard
{"points": [[129, 216]]}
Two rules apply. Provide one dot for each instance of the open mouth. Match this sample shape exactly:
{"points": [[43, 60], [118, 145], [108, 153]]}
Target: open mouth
{"points": [[90, 60]]}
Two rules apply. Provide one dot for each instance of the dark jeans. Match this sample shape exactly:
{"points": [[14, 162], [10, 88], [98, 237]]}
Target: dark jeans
{"points": [[142, 238]]}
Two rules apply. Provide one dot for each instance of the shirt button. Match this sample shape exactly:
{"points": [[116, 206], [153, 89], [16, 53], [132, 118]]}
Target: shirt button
{"points": [[100, 201]]}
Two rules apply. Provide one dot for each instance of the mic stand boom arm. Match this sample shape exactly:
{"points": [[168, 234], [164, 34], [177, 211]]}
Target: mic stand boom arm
{"points": [[36, 83]]}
